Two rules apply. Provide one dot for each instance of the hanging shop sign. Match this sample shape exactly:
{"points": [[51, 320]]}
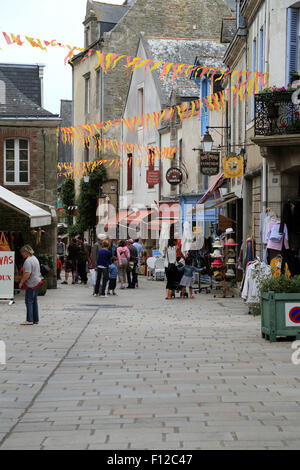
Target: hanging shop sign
{"points": [[153, 177], [210, 164], [174, 176], [7, 270], [233, 166]]}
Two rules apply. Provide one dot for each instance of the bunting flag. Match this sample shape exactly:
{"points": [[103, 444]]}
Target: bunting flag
{"points": [[109, 61], [214, 102], [73, 170]]}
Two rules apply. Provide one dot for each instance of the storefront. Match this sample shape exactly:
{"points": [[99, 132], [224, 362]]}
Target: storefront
{"points": [[22, 222]]}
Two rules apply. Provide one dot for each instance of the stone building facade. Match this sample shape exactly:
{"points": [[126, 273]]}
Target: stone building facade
{"points": [[28, 168], [102, 97]]}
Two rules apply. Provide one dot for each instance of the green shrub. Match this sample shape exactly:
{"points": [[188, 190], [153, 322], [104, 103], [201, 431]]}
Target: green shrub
{"points": [[281, 285]]}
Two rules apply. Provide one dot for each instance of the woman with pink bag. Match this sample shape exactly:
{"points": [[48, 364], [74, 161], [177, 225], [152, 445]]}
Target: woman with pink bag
{"points": [[123, 255]]}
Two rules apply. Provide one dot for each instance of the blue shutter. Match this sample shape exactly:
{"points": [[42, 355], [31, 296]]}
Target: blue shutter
{"points": [[204, 116], [253, 70], [261, 54], [292, 42]]}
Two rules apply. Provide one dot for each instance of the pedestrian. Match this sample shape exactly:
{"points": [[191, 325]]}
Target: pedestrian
{"points": [[132, 265], [32, 280], [59, 267], [103, 263], [170, 267], [123, 255], [113, 274], [61, 249], [139, 248], [83, 256], [71, 261], [187, 278]]}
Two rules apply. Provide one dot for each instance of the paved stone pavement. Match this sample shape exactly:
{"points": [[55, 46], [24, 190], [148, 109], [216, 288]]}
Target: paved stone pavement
{"points": [[138, 372]]}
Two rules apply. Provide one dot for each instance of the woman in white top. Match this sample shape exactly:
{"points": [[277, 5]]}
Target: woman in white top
{"points": [[170, 262]]}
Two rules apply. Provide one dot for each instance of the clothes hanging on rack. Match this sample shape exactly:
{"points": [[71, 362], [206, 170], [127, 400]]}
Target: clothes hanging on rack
{"points": [[255, 271], [275, 238]]}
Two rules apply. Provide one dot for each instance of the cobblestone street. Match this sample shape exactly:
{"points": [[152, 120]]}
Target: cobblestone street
{"points": [[138, 372]]}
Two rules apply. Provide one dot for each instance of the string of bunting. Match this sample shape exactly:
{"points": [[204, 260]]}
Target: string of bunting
{"points": [[108, 61], [74, 170], [215, 102]]}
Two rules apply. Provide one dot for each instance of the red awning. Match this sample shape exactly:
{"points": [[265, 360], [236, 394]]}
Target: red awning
{"points": [[213, 188]]}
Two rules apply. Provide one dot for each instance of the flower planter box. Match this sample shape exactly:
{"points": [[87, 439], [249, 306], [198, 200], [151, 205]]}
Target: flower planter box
{"points": [[280, 315]]}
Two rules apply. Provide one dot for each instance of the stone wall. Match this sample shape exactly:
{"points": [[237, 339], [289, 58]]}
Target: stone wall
{"points": [[42, 187]]}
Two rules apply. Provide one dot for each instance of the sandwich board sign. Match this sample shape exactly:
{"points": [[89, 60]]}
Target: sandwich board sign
{"points": [[7, 272]]}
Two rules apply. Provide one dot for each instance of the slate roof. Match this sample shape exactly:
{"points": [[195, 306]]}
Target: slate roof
{"points": [[178, 50], [108, 13], [228, 29], [25, 78], [13, 101]]}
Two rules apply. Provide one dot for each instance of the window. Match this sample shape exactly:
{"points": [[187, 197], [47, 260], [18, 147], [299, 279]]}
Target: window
{"points": [[16, 164], [292, 43], [151, 165], [86, 37], [87, 94], [140, 101], [129, 172], [87, 152], [99, 91], [253, 70]]}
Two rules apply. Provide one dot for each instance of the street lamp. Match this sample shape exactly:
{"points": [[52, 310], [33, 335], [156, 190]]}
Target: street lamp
{"points": [[207, 142]]}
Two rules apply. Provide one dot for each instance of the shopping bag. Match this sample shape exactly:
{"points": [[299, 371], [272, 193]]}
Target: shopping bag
{"points": [[4, 246], [93, 278]]}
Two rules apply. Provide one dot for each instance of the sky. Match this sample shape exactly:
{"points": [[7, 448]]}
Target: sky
{"points": [[46, 20]]}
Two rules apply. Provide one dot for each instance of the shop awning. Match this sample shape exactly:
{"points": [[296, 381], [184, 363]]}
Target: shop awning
{"points": [[137, 217], [213, 188], [38, 217]]}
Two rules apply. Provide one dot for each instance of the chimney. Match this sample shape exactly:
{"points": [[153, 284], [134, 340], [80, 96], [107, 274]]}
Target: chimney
{"points": [[41, 76]]}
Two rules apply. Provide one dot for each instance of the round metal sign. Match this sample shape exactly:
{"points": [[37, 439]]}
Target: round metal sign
{"points": [[174, 176]]}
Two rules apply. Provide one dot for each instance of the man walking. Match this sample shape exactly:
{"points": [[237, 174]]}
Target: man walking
{"points": [[133, 261], [61, 250]]}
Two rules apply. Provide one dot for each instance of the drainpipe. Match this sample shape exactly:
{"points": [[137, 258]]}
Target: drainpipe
{"points": [[266, 70]]}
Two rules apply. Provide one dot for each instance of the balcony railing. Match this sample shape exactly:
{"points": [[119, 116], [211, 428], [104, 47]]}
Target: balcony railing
{"points": [[275, 114]]}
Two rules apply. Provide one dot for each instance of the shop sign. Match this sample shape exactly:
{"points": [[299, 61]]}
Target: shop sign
{"points": [[292, 315], [233, 166], [174, 176], [210, 164], [7, 270], [153, 177]]}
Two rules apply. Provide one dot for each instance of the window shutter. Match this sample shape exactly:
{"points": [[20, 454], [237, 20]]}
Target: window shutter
{"points": [[261, 54], [254, 53], [292, 42], [204, 116]]}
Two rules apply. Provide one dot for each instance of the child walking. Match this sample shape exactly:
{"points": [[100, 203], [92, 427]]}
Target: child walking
{"points": [[59, 267], [113, 274], [187, 278]]}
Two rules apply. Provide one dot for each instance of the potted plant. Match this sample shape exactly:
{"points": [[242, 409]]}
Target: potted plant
{"points": [[280, 307], [46, 263]]}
